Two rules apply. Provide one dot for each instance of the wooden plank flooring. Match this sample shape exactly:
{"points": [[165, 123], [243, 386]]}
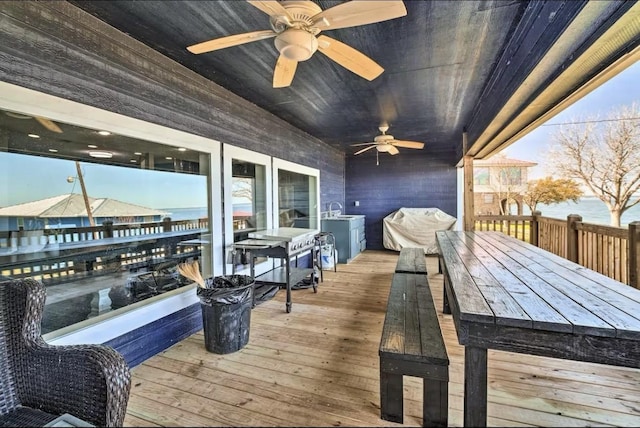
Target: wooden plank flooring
{"points": [[318, 366]]}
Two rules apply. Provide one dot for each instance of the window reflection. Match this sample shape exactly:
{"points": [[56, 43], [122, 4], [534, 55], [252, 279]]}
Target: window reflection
{"points": [[249, 198], [104, 232], [297, 200]]}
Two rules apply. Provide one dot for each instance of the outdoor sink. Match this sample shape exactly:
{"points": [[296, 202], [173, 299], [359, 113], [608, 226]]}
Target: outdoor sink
{"points": [[342, 217]]}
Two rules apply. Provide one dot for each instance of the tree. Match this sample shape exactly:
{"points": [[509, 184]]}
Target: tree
{"points": [[605, 156], [551, 191], [506, 184]]}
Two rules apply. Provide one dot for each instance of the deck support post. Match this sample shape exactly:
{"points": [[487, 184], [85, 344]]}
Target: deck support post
{"points": [[572, 237], [533, 231], [634, 254]]}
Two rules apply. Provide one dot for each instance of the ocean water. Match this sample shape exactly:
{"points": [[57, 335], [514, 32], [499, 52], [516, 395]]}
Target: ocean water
{"points": [[592, 210], [186, 213]]}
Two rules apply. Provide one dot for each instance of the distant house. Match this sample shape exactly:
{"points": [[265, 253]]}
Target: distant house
{"points": [[498, 184], [69, 211]]}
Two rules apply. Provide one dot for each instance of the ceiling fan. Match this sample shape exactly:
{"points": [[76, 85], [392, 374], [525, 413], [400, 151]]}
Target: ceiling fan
{"points": [[47, 123], [295, 25], [386, 143]]}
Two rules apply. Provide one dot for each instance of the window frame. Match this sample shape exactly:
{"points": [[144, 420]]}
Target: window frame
{"points": [[230, 153], [113, 324]]}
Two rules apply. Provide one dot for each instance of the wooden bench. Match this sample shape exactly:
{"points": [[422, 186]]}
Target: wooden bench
{"points": [[411, 260], [412, 345]]}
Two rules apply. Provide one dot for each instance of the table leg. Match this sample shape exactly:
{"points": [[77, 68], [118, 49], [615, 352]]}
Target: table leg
{"points": [[288, 273], [445, 299], [475, 387]]}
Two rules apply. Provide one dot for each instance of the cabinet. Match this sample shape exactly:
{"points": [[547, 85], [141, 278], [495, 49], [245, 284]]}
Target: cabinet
{"points": [[349, 233]]}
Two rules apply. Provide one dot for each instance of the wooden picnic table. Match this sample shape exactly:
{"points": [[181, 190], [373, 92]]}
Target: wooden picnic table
{"points": [[508, 295]]}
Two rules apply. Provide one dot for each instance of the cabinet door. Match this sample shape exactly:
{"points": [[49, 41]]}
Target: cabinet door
{"points": [[354, 247]]}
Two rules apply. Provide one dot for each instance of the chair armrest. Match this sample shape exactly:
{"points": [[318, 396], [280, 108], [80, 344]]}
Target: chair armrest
{"points": [[91, 382]]}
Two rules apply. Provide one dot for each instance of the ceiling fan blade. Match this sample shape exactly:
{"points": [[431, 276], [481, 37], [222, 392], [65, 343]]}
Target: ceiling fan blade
{"points": [[284, 72], [350, 58], [364, 150], [408, 144], [50, 125], [392, 150], [228, 41], [354, 13], [270, 7], [361, 144]]}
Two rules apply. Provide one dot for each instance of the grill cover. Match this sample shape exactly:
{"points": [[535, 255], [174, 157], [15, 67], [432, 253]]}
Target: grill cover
{"points": [[415, 227]]}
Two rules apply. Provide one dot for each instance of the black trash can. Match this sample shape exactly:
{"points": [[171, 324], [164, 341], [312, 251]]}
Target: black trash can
{"points": [[226, 312]]}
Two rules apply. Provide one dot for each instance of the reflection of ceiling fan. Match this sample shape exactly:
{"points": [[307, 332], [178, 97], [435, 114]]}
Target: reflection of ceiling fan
{"points": [[386, 143], [47, 123], [295, 25]]}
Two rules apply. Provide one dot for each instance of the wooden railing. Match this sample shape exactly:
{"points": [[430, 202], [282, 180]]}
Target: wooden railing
{"points": [[69, 268], [612, 251]]}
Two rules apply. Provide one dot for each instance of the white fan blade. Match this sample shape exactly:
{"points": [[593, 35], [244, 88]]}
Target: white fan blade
{"points": [[228, 41], [284, 72], [270, 7], [350, 58], [362, 144], [47, 123], [364, 150], [392, 150], [354, 13], [408, 144]]}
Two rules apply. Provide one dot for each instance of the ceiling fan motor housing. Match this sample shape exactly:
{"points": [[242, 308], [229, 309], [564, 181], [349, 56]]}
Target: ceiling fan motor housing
{"points": [[296, 44]]}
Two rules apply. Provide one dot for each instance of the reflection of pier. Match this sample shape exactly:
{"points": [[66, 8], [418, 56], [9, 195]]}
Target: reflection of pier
{"points": [[87, 276], [73, 254]]}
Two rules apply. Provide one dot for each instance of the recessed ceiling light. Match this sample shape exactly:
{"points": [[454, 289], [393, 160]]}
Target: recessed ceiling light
{"points": [[100, 154], [34, 135], [182, 149], [138, 154], [92, 146], [105, 133], [53, 150], [133, 161], [168, 158]]}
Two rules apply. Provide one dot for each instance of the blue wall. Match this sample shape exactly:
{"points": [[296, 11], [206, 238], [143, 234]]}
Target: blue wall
{"points": [[413, 178]]}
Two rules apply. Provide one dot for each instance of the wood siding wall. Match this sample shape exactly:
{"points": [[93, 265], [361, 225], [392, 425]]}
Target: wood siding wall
{"points": [[58, 49], [412, 178]]}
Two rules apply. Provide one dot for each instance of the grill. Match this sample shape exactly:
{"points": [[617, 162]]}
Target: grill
{"points": [[283, 243]]}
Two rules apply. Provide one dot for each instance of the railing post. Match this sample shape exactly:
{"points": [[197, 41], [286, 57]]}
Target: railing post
{"points": [[634, 254], [572, 237], [107, 225], [166, 224], [533, 231]]}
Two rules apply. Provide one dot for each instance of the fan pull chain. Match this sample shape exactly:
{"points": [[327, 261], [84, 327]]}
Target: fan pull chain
{"points": [[377, 158]]}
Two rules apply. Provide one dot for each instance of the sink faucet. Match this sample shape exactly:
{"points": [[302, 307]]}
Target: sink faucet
{"points": [[331, 205]]}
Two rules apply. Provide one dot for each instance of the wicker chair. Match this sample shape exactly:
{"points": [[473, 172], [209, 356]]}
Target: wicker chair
{"points": [[39, 382]]}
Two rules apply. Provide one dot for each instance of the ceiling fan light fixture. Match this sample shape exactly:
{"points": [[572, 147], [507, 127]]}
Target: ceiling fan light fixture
{"points": [[295, 44]]}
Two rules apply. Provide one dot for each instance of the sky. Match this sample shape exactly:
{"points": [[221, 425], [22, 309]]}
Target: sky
{"points": [[620, 90], [42, 177]]}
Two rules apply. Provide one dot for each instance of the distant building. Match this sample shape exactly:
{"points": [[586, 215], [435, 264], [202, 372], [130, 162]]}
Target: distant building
{"points": [[499, 182], [69, 211]]}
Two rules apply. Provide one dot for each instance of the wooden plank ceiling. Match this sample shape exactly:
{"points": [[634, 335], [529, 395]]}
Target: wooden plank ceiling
{"points": [[449, 65]]}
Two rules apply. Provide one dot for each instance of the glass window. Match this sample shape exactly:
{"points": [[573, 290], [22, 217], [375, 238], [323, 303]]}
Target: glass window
{"points": [[511, 176], [248, 205], [248, 191], [480, 176], [297, 195], [101, 219]]}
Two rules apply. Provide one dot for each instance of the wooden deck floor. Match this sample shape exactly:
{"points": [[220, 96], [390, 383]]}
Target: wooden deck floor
{"points": [[318, 366]]}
